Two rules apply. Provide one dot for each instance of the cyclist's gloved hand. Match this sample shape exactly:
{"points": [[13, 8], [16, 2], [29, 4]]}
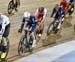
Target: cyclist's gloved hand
{"points": [[20, 31]]}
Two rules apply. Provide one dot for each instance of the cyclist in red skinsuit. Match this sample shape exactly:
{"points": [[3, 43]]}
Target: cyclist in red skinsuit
{"points": [[40, 14], [65, 5]]}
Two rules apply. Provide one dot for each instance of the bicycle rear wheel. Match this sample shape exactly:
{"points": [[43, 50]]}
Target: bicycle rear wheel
{"points": [[10, 7]]}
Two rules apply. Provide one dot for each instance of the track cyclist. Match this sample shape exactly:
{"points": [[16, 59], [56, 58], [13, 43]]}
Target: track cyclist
{"points": [[40, 15], [31, 24], [58, 14], [4, 32], [60, 10]]}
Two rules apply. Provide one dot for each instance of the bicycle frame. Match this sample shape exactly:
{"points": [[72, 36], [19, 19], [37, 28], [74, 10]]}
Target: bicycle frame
{"points": [[55, 25]]}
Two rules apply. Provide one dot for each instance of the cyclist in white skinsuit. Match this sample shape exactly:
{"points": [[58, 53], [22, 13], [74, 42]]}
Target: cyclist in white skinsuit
{"points": [[4, 32]]}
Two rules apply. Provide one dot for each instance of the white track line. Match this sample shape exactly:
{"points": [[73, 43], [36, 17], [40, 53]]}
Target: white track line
{"points": [[50, 54]]}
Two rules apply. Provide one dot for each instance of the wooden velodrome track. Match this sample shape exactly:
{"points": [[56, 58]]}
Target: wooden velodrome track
{"points": [[32, 5]]}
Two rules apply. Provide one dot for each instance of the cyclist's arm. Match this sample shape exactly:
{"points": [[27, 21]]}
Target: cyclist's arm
{"points": [[53, 12], [22, 24], [45, 13]]}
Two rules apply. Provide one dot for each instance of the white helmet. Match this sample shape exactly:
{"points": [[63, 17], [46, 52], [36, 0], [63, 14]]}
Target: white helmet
{"points": [[26, 14]]}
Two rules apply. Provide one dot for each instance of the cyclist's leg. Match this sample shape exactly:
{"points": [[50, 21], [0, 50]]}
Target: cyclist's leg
{"points": [[41, 28], [63, 17], [17, 2], [59, 24], [33, 35], [5, 35], [34, 40], [27, 27], [57, 20], [16, 5]]}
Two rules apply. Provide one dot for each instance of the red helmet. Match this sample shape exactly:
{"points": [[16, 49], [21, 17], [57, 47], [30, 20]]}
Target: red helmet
{"points": [[41, 9], [64, 0]]}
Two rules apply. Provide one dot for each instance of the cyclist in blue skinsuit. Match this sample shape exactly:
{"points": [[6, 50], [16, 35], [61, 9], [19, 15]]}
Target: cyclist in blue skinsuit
{"points": [[55, 9], [58, 15], [58, 12], [31, 23]]}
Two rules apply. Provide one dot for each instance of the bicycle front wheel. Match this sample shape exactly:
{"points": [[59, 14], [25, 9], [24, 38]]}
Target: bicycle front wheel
{"points": [[10, 7], [50, 28], [22, 45]]}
